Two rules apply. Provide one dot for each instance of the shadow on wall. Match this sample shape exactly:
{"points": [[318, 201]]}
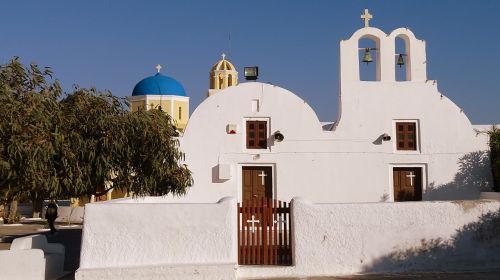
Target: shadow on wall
{"points": [[475, 246], [473, 177]]}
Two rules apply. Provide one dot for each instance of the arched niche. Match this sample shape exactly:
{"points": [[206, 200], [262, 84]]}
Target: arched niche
{"points": [[369, 71], [212, 82], [221, 81], [229, 80], [402, 46]]}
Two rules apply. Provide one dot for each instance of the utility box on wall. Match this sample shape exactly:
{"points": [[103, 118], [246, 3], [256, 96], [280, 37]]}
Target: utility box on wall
{"points": [[224, 171], [231, 128]]}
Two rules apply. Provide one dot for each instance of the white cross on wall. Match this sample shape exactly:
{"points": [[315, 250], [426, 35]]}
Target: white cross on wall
{"points": [[262, 176], [411, 176], [253, 221], [158, 68], [366, 16]]}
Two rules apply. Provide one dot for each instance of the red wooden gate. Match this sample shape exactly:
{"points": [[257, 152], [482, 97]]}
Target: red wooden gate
{"points": [[264, 233]]}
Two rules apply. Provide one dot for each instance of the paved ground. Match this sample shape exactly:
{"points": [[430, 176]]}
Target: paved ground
{"points": [[71, 239], [412, 276]]}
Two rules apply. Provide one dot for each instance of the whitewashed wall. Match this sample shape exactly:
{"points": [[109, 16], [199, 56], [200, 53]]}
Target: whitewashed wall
{"points": [[145, 239], [336, 239], [345, 165], [350, 163]]}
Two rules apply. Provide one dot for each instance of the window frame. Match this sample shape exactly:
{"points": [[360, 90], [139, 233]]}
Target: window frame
{"points": [[405, 150], [255, 149]]}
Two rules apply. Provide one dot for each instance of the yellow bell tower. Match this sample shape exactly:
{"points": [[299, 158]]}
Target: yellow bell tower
{"points": [[222, 75]]}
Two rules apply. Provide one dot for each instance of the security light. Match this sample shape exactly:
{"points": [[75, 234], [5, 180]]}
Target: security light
{"points": [[251, 73]]}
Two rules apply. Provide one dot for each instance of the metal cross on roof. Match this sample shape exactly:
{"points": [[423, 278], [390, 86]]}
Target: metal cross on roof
{"points": [[366, 16], [223, 56], [158, 68]]}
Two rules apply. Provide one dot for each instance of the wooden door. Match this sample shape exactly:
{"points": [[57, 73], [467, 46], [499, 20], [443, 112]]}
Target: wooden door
{"points": [[407, 183], [257, 182]]}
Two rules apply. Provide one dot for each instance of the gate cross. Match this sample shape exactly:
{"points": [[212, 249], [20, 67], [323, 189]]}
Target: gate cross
{"points": [[253, 221], [280, 220]]}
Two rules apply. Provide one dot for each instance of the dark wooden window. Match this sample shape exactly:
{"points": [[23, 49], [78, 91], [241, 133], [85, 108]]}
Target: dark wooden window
{"points": [[256, 135], [406, 136]]}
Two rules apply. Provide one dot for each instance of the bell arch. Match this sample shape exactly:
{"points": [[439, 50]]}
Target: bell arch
{"points": [[402, 55], [369, 48], [415, 59]]}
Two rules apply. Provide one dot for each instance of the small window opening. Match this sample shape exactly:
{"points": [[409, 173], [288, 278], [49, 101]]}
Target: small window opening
{"points": [[221, 81], [256, 135], [406, 136]]}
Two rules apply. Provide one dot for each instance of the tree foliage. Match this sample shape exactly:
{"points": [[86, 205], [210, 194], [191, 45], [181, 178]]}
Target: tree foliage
{"points": [[136, 152], [29, 135], [152, 156], [494, 135], [83, 143]]}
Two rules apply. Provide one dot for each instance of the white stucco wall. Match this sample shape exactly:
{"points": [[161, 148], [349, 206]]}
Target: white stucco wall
{"points": [[145, 239], [336, 239], [349, 163], [151, 239]]}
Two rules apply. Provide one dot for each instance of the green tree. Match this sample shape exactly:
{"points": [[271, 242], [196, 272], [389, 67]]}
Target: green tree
{"points": [[92, 143], [84, 144], [494, 134], [29, 132], [107, 147], [151, 159]]}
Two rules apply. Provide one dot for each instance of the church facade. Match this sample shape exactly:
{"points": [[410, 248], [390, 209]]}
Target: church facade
{"points": [[393, 140]]}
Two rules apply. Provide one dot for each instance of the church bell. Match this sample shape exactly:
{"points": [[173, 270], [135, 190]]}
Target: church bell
{"points": [[367, 57], [401, 61]]}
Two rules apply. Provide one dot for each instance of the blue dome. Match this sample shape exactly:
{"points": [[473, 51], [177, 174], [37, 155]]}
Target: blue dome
{"points": [[158, 85]]}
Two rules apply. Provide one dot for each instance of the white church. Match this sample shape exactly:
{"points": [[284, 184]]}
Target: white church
{"points": [[393, 140]]}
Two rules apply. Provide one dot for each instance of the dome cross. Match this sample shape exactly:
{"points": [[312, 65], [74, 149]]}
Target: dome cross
{"points": [[366, 16], [223, 56], [158, 68]]}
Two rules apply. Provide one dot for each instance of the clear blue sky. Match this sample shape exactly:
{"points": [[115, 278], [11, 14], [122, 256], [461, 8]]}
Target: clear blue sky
{"points": [[114, 44]]}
